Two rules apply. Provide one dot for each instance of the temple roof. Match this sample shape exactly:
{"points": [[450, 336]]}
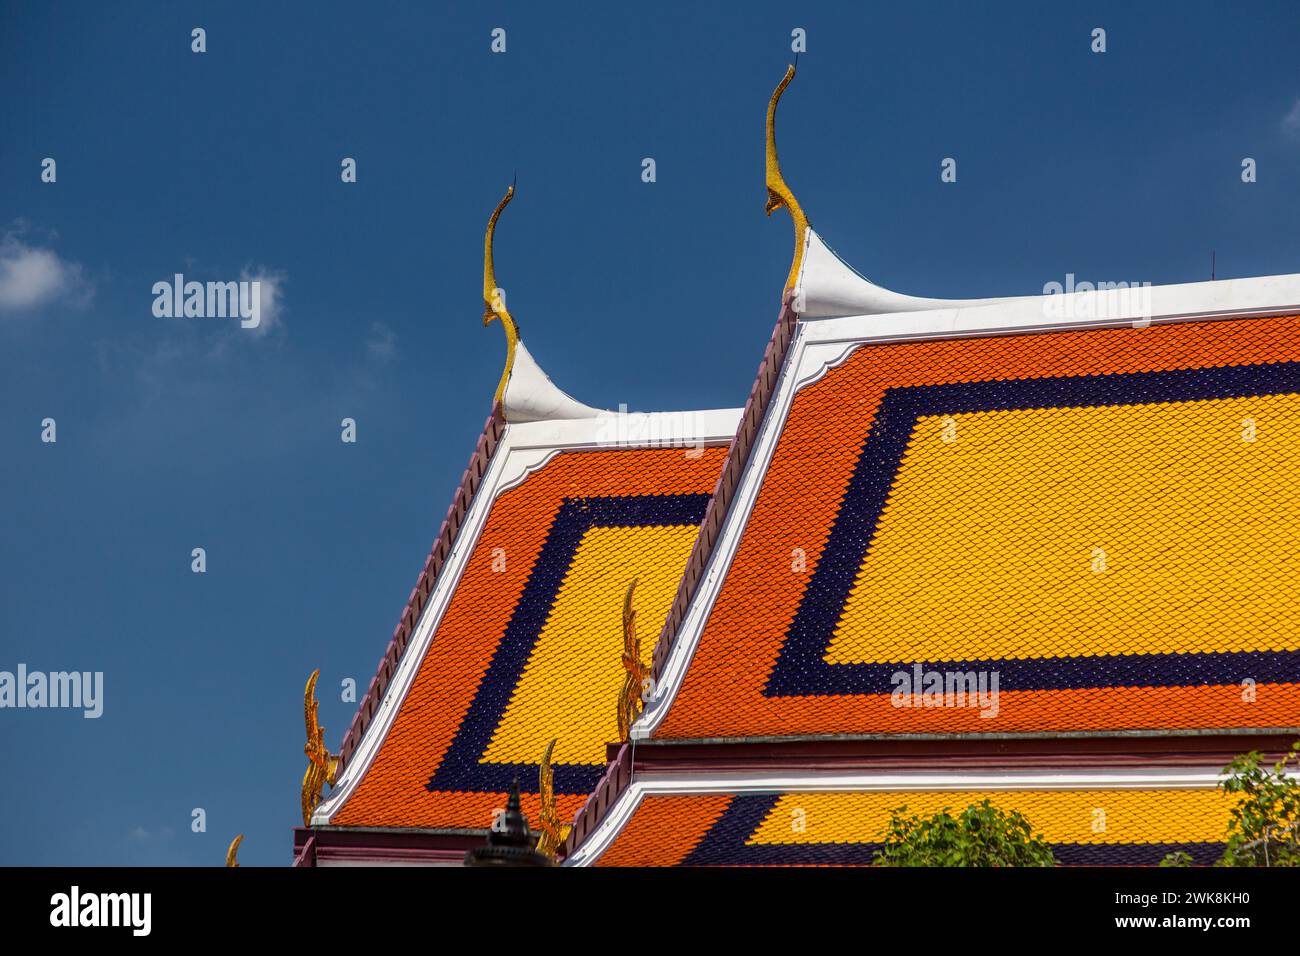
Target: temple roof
{"points": [[1097, 518], [509, 657], [520, 637], [1026, 518], [1076, 503], [1057, 518], [1098, 819]]}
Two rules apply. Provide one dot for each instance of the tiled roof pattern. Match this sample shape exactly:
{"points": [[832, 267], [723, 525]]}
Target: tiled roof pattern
{"points": [[664, 830], [1088, 827], [1099, 518], [529, 646]]}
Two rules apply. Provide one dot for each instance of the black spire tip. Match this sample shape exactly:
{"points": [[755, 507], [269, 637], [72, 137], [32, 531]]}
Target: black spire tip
{"points": [[510, 841]]}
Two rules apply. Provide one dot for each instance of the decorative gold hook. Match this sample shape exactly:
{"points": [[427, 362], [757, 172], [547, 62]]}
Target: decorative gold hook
{"points": [[629, 696], [233, 851], [778, 193], [494, 300], [551, 832], [322, 766]]}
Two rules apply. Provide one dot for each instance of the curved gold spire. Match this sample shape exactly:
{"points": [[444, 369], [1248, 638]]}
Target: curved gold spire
{"points": [[494, 300], [778, 193], [635, 672], [322, 766], [551, 832], [233, 851]]}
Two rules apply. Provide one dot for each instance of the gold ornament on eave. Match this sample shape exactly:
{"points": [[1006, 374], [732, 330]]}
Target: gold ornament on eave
{"points": [[233, 851], [635, 672], [494, 298], [778, 192], [551, 833], [322, 766]]}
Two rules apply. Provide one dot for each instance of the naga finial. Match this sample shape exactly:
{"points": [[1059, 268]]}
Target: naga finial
{"points": [[551, 832], [322, 766], [494, 297], [778, 193], [234, 849], [629, 697]]}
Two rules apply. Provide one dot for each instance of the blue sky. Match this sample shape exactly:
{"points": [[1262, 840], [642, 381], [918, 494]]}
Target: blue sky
{"points": [[183, 433]]}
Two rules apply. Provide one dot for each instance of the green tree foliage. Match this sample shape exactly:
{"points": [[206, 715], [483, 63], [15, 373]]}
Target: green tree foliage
{"points": [[1264, 828], [1264, 823], [981, 835]]}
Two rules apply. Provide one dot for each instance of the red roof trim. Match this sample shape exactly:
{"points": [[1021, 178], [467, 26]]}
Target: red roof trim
{"points": [[617, 777], [493, 429], [848, 754], [321, 846]]}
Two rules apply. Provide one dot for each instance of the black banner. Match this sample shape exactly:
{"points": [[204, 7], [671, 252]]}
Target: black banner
{"points": [[507, 907]]}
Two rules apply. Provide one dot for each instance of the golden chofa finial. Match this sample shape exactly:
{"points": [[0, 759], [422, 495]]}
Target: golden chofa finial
{"points": [[778, 193], [233, 851], [494, 297], [636, 673], [551, 832], [322, 766]]}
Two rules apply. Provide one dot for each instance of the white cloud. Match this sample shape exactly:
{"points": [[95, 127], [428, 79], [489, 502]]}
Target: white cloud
{"points": [[141, 835], [31, 276], [271, 293], [381, 342], [1291, 122]]}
